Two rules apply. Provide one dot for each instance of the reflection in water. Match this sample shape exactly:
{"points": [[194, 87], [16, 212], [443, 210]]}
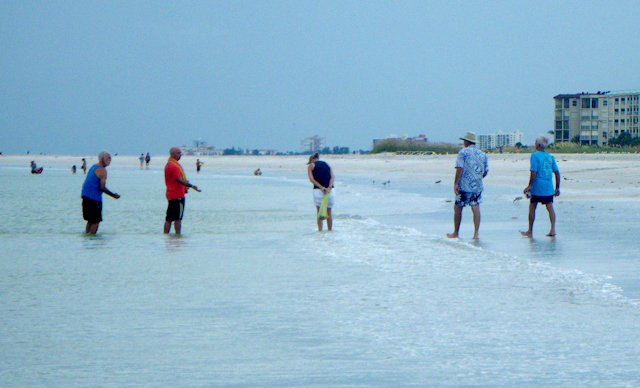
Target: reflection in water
{"points": [[174, 243], [93, 241], [548, 247]]}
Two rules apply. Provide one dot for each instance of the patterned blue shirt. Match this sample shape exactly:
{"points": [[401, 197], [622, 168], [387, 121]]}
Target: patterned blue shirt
{"points": [[475, 166]]}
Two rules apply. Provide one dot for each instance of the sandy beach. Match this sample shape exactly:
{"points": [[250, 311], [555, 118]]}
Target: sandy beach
{"points": [[585, 176]]}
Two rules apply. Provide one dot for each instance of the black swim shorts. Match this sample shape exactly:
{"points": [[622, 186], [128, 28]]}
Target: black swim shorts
{"points": [[543, 199], [91, 210], [175, 210]]}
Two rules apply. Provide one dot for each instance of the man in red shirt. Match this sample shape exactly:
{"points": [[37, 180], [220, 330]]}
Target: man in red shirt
{"points": [[177, 185]]}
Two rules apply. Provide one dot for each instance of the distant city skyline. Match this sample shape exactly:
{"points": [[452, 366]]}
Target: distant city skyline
{"points": [[129, 77]]}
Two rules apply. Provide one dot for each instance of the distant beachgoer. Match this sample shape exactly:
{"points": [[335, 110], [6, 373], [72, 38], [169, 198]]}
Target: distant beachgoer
{"points": [[141, 160], [35, 169], [321, 176], [540, 187], [92, 189], [73, 169], [177, 185], [84, 166], [198, 165], [257, 172], [471, 168], [147, 159]]}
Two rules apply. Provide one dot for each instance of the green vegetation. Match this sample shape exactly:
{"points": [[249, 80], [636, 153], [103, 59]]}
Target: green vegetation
{"points": [[395, 145]]}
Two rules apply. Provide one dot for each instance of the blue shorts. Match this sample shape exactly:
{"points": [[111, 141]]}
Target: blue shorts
{"points": [[463, 198]]}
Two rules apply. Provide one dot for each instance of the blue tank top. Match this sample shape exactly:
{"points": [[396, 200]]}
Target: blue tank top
{"points": [[321, 173], [91, 187]]}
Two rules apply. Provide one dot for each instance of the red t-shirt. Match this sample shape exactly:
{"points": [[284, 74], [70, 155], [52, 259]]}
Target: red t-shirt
{"points": [[174, 189]]}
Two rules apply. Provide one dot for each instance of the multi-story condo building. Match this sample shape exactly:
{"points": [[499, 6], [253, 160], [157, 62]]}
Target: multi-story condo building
{"points": [[594, 118], [499, 139], [313, 144]]}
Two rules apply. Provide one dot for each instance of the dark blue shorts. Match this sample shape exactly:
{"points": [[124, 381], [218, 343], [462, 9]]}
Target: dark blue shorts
{"points": [[463, 198], [91, 210], [543, 199]]}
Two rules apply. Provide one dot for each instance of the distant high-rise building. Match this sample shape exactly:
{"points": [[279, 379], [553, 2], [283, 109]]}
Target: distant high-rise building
{"points": [[499, 139], [313, 144], [594, 118]]}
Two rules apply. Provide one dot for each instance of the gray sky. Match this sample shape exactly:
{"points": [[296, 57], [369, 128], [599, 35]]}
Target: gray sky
{"points": [[78, 77]]}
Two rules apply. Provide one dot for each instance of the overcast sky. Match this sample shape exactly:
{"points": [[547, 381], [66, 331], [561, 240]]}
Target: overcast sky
{"points": [[77, 77]]}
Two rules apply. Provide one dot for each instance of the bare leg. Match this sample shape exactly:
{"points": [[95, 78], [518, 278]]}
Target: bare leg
{"points": [[532, 218], [177, 226], [319, 220], [329, 220], [457, 218], [167, 227], [92, 228], [552, 219], [476, 220]]}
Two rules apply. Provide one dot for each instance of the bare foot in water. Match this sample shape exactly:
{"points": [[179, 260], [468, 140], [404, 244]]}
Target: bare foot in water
{"points": [[526, 234], [452, 235], [551, 234]]}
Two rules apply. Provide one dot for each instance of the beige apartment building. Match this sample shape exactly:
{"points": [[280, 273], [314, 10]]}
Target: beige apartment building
{"points": [[596, 117]]}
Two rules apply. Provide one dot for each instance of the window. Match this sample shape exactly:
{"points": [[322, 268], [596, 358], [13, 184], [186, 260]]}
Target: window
{"points": [[622, 99], [565, 124], [574, 103], [566, 102], [617, 101], [559, 124], [594, 102], [586, 103], [604, 103]]}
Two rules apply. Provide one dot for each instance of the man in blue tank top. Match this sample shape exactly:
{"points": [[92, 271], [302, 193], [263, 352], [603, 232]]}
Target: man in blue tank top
{"points": [[540, 188], [92, 189]]}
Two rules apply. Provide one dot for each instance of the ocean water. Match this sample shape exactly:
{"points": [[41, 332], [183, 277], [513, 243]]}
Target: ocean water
{"points": [[251, 295]]}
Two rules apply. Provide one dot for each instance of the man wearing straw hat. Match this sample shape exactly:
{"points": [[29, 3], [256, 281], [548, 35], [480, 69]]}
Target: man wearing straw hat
{"points": [[471, 168]]}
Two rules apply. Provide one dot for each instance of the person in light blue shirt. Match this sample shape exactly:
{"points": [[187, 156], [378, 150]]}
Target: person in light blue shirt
{"points": [[540, 188], [471, 168]]}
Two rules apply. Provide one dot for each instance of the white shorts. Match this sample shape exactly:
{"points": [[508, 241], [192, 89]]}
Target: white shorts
{"points": [[318, 195]]}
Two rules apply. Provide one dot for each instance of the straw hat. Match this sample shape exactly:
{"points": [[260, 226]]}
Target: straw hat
{"points": [[470, 137]]}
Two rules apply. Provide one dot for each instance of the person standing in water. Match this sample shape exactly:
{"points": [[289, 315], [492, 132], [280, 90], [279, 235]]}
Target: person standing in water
{"points": [[540, 187], [471, 168], [177, 185], [147, 159], [141, 160], [84, 166], [92, 189], [321, 176]]}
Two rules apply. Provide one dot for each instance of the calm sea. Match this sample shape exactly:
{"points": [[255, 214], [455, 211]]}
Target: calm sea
{"points": [[251, 295]]}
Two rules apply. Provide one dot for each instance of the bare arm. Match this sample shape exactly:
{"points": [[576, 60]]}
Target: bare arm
{"points": [[310, 173], [532, 177], [557, 175], [456, 180], [101, 173], [186, 183]]}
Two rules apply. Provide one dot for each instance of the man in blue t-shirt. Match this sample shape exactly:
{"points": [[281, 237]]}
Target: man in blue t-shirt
{"points": [[540, 189]]}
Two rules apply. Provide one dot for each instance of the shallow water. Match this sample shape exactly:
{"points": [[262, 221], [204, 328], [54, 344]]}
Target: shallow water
{"points": [[252, 295]]}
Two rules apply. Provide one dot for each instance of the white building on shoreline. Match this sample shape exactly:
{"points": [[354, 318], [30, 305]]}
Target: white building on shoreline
{"points": [[500, 139]]}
